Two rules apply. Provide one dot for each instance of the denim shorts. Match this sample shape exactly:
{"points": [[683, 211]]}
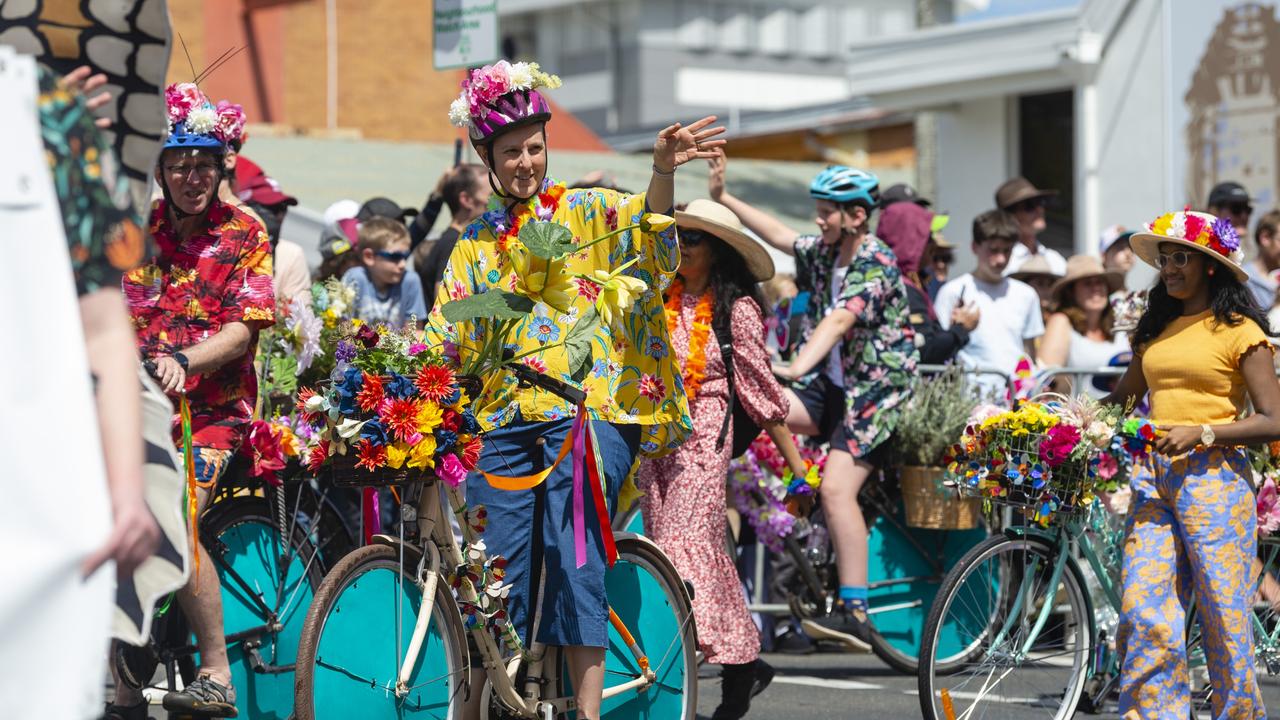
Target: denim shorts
{"points": [[533, 529]]}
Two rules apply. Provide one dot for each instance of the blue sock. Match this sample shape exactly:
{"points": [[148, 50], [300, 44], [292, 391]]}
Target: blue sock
{"points": [[854, 597]]}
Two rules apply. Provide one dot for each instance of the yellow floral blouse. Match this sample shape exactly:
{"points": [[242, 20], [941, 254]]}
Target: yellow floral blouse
{"points": [[633, 379]]}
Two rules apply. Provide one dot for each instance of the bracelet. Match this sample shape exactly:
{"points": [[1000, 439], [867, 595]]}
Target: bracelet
{"points": [[181, 359], [668, 173]]}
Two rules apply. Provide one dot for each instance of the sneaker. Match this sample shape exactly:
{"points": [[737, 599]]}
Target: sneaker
{"points": [[125, 712], [764, 675], [792, 642], [851, 629], [205, 697]]}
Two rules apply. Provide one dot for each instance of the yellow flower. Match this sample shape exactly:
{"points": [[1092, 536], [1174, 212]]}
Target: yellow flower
{"points": [[429, 417], [542, 280], [618, 293], [397, 454], [288, 441], [653, 222], [422, 455]]}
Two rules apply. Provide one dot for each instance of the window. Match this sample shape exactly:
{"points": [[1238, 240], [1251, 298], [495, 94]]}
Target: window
{"points": [[777, 30]]}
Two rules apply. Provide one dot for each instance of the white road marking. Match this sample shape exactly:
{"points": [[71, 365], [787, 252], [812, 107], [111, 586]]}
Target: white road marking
{"points": [[824, 683]]}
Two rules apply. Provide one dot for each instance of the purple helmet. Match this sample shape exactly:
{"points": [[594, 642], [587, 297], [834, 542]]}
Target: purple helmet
{"points": [[507, 112]]}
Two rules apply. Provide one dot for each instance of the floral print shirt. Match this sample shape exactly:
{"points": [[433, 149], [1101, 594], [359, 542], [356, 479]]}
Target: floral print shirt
{"points": [[104, 233], [634, 379], [192, 289], [878, 354]]}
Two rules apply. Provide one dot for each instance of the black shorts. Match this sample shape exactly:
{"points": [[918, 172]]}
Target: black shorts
{"points": [[825, 402]]}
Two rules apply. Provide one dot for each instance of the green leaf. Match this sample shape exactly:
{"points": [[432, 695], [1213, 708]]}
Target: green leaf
{"points": [[495, 304], [547, 240], [577, 344], [284, 375]]}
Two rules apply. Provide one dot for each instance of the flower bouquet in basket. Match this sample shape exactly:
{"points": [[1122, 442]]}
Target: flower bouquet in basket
{"points": [[1049, 456], [393, 410], [298, 350], [766, 492]]}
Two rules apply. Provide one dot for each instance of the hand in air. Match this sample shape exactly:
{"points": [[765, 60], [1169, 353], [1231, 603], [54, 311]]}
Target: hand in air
{"points": [[82, 81], [678, 144]]}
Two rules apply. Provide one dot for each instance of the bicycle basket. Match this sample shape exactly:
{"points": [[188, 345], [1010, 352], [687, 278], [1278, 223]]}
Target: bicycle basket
{"points": [[1009, 470], [343, 473]]}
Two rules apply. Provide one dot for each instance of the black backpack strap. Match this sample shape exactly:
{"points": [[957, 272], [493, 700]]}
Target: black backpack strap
{"points": [[725, 339]]}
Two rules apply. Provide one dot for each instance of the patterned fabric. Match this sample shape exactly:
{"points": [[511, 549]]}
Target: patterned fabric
{"points": [[634, 380], [684, 493], [194, 287], [104, 234], [879, 353], [1192, 527]]}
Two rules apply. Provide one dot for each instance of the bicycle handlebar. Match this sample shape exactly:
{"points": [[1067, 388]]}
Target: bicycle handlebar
{"points": [[528, 376]]}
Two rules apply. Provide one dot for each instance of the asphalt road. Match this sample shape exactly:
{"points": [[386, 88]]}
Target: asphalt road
{"points": [[832, 686]]}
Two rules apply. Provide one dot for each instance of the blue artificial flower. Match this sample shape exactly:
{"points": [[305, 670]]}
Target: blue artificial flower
{"points": [[469, 424], [374, 432], [445, 440], [399, 386], [1014, 476], [455, 396], [347, 388]]}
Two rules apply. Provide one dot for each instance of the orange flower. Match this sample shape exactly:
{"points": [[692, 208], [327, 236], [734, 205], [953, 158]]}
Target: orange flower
{"points": [[471, 453], [372, 456], [435, 382], [695, 363], [319, 454], [371, 393], [401, 418]]}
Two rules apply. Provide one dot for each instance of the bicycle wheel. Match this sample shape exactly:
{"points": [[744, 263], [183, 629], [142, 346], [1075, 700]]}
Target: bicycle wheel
{"points": [[981, 643], [903, 580], [649, 597], [267, 586], [351, 648]]}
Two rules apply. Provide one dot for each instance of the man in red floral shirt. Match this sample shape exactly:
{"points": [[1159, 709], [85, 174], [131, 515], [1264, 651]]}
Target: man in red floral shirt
{"points": [[197, 310]]}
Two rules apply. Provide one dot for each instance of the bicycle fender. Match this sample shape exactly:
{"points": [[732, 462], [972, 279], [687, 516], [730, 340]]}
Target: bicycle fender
{"points": [[1027, 531], [621, 536]]}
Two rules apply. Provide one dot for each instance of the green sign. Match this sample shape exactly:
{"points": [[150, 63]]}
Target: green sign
{"points": [[465, 33]]}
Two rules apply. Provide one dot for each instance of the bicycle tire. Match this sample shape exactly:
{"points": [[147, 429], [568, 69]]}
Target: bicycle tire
{"points": [[649, 596], [969, 589], [243, 531], [347, 655]]}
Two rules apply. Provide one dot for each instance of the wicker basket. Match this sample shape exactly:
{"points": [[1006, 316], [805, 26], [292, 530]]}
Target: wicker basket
{"points": [[343, 473], [931, 505]]}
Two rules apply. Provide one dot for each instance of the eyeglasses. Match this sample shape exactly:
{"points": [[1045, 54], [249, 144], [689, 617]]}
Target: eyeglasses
{"points": [[945, 258], [1028, 205], [692, 238], [1179, 259], [200, 169], [394, 257]]}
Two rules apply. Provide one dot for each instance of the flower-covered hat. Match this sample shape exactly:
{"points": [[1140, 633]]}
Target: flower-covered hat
{"points": [[1210, 235], [194, 122], [502, 96]]}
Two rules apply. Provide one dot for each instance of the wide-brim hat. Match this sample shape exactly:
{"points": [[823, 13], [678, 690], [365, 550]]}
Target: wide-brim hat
{"points": [[1014, 191], [1080, 267], [716, 219], [1213, 236]]}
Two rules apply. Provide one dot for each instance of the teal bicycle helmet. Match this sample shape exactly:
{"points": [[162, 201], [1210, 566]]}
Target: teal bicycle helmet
{"points": [[843, 185]]}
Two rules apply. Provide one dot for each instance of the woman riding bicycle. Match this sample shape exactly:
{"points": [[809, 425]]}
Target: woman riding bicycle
{"points": [[716, 297], [1200, 345], [633, 398], [852, 373]]}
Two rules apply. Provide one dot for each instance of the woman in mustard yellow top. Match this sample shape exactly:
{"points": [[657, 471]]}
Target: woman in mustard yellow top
{"points": [[1199, 348]]}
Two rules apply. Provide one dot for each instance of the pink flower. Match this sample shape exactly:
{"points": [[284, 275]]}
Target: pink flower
{"points": [[1107, 466], [1058, 443], [230, 125], [451, 470], [416, 348], [182, 98], [1268, 507], [488, 84]]}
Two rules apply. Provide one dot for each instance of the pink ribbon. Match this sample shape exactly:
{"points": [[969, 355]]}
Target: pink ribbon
{"points": [[579, 510], [372, 514]]}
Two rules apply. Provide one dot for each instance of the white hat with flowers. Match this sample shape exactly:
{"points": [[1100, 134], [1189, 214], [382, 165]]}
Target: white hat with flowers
{"points": [[1211, 235]]}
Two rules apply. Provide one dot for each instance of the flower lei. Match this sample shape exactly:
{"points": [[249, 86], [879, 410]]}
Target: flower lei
{"points": [[695, 364], [543, 206], [1216, 234]]}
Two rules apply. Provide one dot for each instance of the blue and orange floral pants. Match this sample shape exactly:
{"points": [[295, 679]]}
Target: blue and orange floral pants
{"points": [[1192, 528]]}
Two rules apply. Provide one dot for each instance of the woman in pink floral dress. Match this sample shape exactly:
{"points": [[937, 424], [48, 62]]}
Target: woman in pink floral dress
{"points": [[684, 493]]}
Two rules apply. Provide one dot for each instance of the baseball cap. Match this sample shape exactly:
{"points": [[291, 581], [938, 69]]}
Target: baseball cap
{"points": [[1110, 236], [339, 237], [1225, 193], [256, 186], [383, 207], [340, 210], [901, 192]]}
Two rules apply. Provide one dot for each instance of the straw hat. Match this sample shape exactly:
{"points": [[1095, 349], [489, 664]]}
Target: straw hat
{"points": [[1210, 235], [715, 219], [1080, 267], [1033, 266]]}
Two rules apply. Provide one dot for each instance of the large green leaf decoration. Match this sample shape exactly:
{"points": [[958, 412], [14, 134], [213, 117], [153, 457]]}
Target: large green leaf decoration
{"points": [[495, 304], [577, 344], [547, 240]]}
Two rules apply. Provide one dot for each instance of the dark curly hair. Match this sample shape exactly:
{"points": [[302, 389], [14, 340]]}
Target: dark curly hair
{"points": [[1231, 302], [729, 279]]}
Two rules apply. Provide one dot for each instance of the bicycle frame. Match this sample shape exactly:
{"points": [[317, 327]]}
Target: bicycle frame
{"points": [[438, 545]]}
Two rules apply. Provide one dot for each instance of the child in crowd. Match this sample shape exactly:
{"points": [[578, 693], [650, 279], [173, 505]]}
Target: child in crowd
{"points": [[385, 293]]}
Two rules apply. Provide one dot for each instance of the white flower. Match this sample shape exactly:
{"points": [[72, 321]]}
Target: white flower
{"points": [[460, 112], [202, 120], [521, 75], [1178, 228], [350, 428]]}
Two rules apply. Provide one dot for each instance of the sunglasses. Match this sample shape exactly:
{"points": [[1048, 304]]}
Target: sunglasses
{"points": [[946, 258], [1240, 209], [692, 238], [1028, 205], [394, 257], [1179, 259]]}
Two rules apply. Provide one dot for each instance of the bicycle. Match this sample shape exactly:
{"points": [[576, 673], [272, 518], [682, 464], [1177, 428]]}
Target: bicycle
{"points": [[385, 638], [267, 584]]}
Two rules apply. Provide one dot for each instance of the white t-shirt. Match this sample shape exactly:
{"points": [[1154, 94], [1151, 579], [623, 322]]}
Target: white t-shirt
{"points": [[1020, 254], [1009, 315], [835, 370]]}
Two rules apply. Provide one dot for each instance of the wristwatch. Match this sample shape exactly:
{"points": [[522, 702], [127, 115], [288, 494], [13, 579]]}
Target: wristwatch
{"points": [[182, 360], [1207, 436]]}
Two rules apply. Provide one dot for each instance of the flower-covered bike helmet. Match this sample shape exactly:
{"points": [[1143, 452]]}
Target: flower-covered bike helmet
{"points": [[195, 124], [844, 185], [500, 97]]}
